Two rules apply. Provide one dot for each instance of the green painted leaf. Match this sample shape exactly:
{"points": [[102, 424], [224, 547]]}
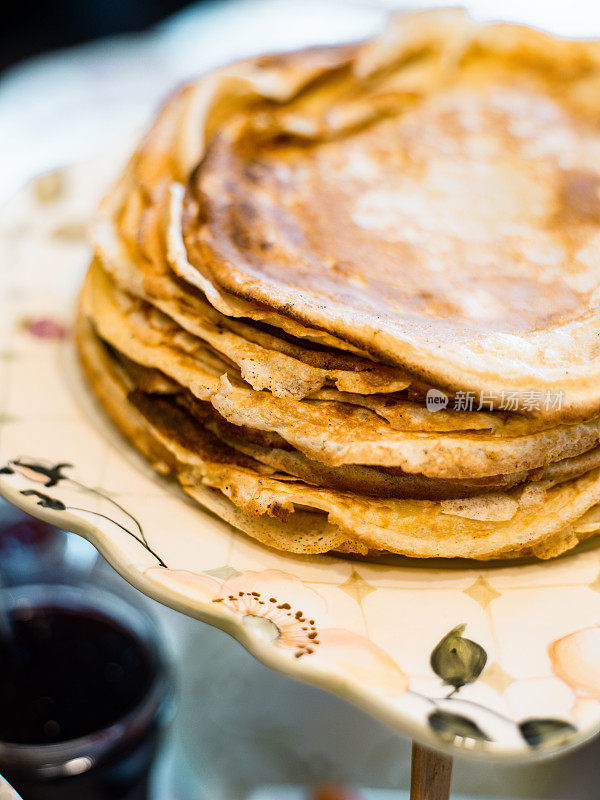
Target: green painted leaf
{"points": [[456, 729], [546, 732], [457, 660]]}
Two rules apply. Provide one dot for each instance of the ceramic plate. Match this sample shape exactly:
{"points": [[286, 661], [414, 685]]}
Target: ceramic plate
{"points": [[500, 660]]}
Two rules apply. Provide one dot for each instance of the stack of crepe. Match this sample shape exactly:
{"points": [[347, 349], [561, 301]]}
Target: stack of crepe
{"points": [[349, 296]]}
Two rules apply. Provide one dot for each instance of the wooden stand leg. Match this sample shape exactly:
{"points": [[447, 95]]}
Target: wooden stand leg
{"points": [[431, 773]]}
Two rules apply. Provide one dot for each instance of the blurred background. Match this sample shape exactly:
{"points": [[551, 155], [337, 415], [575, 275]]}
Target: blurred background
{"points": [[33, 26], [79, 78]]}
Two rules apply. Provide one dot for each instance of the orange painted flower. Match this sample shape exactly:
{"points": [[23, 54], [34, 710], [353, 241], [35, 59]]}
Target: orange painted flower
{"points": [[576, 661], [280, 609], [361, 660], [193, 585], [276, 606]]}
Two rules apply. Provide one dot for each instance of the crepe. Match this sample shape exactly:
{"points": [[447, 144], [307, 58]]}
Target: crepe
{"points": [[271, 450], [332, 433], [314, 259], [309, 533], [539, 519]]}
